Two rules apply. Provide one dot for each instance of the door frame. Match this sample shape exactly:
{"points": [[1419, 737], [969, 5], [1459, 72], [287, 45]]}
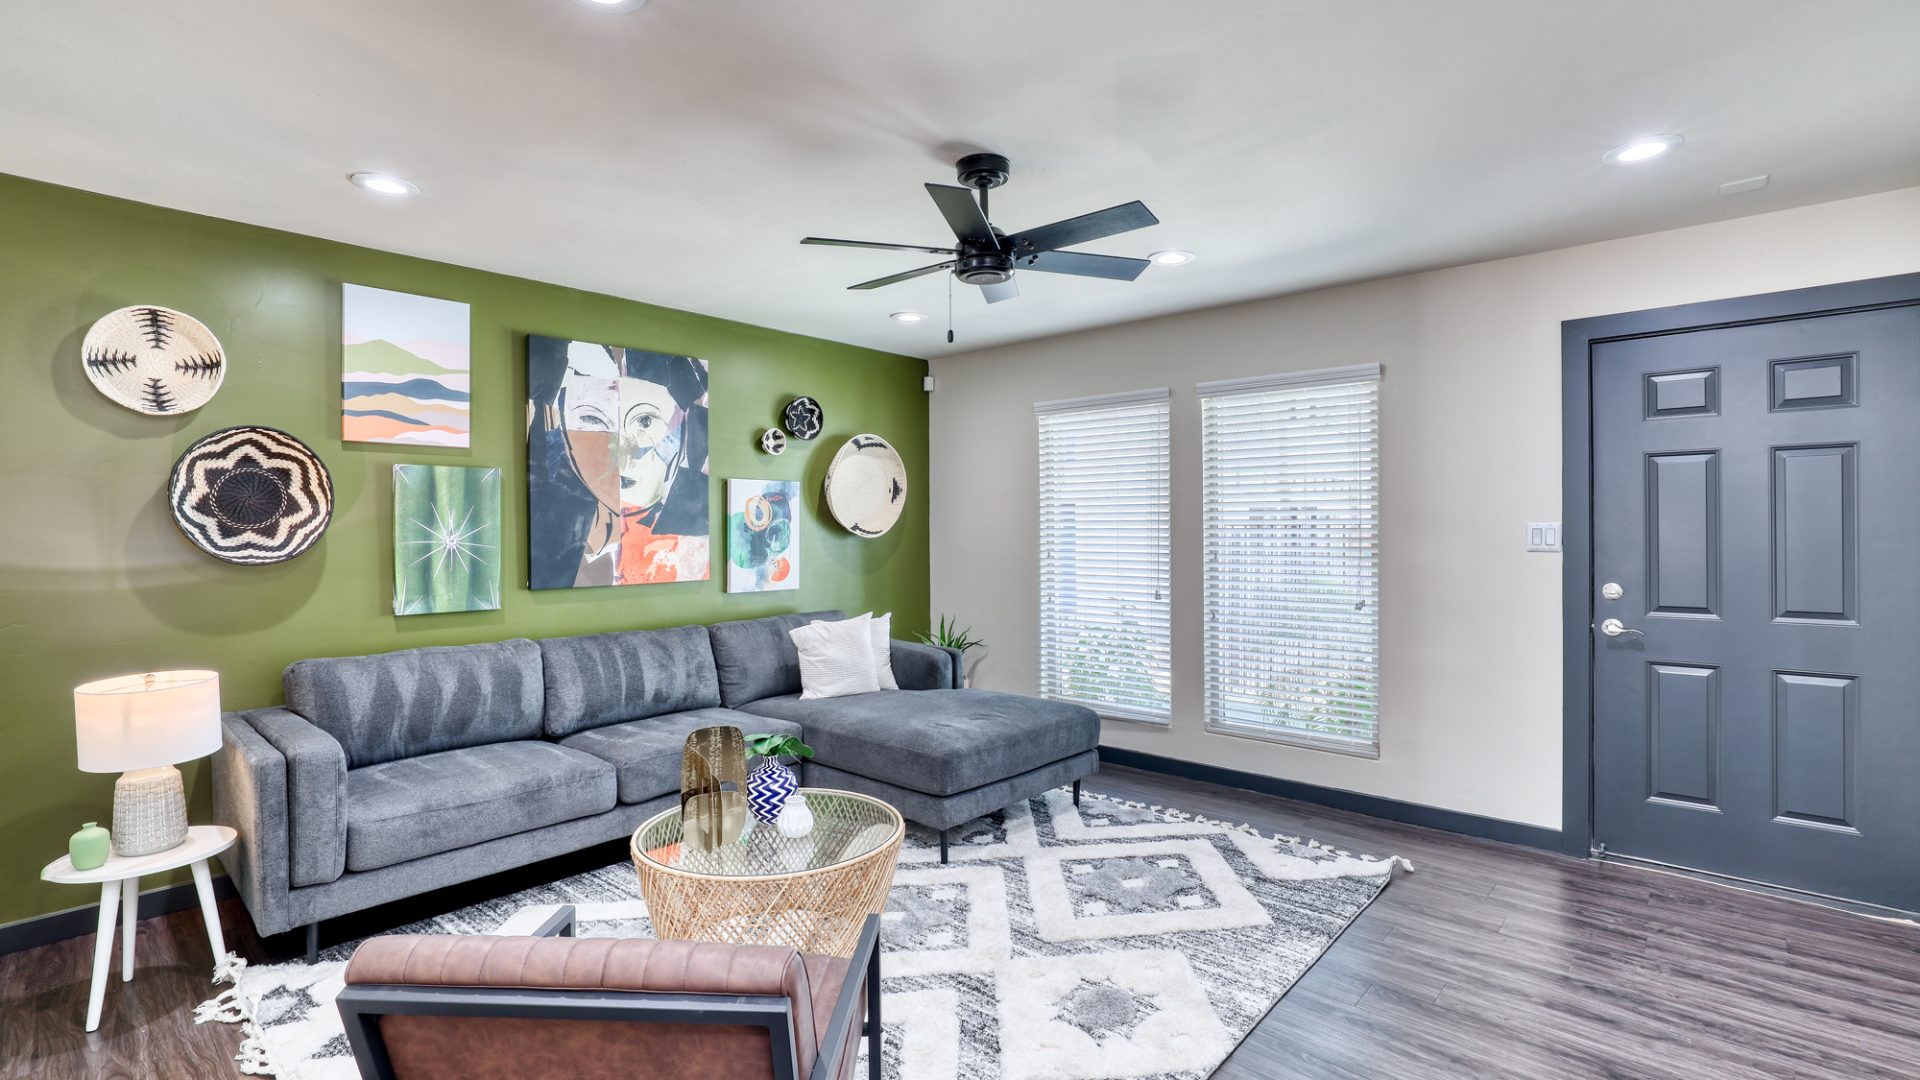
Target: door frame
{"points": [[1577, 339]]}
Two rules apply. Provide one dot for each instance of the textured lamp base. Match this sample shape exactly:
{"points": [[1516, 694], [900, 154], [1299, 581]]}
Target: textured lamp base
{"points": [[149, 811]]}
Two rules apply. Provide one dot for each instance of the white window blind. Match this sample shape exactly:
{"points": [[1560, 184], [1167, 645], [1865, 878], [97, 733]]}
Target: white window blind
{"points": [[1104, 545], [1290, 494]]}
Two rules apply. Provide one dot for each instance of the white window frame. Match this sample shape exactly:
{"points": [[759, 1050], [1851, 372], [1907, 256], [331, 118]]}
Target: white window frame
{"points": [[1312, 645], [1138, 554]]}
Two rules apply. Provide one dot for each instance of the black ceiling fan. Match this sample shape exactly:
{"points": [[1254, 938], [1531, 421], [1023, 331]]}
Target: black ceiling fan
{"points": [[986, 256]]}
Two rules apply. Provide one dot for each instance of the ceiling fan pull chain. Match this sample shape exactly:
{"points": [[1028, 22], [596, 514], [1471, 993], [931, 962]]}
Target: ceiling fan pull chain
{"points": [[949, 309]]}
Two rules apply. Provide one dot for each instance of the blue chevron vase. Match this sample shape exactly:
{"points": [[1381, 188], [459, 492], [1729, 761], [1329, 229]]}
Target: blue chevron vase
{"points": [[768, 787]]}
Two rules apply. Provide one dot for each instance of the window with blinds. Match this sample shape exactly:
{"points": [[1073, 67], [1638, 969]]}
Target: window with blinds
{"points": [[1104, 525], [1290, 510]]}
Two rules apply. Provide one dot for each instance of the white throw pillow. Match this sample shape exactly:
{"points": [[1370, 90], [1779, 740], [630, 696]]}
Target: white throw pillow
{"points": [[836, 658], [883, 650]]}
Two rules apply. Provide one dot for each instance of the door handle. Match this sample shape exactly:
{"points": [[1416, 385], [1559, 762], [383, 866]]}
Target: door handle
{"points": [[1615, 628]]}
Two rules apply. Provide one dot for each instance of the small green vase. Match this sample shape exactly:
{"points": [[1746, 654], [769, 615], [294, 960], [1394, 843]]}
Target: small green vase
{"points": [[89, 847]]}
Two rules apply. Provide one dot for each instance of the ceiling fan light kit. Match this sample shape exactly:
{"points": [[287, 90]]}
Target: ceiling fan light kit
{"points": [[988, 257]]}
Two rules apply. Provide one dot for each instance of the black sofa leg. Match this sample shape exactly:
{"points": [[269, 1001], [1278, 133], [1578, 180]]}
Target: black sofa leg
{"points": [[943, 847], [1076, 793], [313, 942]]}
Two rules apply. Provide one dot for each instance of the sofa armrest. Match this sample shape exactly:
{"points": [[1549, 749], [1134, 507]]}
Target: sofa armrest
{"points": [[925, 667], [250, 797], [316, 823]]}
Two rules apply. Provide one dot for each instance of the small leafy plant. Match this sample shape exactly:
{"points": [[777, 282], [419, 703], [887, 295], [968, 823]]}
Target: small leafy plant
{"points": [[949, 635], [778, 746]]}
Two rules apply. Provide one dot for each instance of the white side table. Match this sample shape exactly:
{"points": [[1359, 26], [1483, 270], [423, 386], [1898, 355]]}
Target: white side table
{"points": [[119, 882]]}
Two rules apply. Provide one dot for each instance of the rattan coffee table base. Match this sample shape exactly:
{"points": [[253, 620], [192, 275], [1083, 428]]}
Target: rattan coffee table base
{"points": [[815, 910]]}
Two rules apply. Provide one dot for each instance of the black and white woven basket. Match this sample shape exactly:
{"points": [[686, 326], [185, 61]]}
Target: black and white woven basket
{"points": [[251, 495]]}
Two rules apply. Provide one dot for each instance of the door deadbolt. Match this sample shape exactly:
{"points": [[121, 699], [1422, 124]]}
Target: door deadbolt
{"points": [[1612, 590]]}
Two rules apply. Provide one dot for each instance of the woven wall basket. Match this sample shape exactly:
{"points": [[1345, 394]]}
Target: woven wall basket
{"points": [[154, 360], [251, 495], [867, 486]]}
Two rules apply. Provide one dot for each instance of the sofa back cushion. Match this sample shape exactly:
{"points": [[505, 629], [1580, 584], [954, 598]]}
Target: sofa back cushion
{"points": [[757, 659], [603, 679], [421, 701]]}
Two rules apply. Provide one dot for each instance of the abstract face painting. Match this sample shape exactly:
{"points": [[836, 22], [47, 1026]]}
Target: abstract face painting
{"points": [[616, 465]]}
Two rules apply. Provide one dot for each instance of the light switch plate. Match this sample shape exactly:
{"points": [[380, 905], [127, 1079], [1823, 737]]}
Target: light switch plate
{"points": [[1543, 536]]}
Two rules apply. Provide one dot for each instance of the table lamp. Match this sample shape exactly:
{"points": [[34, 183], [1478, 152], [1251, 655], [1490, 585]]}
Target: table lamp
{"points": [[140, 726]]}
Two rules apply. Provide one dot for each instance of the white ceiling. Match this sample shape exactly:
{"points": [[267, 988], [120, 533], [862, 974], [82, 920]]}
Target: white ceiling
{"points": [[677, 153]]}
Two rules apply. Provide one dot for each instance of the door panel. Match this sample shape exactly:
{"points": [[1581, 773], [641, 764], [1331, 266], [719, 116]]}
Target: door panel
{"points": [[1757, 497]]}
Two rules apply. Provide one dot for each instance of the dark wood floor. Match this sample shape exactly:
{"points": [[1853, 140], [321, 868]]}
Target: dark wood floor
{"points": [[1489, 961]]}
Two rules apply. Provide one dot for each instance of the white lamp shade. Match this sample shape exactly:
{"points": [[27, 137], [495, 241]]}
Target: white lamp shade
{"points": [[147, 720]]}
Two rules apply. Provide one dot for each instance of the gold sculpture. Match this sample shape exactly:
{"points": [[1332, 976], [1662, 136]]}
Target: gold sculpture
{"points": [[713, 788]]}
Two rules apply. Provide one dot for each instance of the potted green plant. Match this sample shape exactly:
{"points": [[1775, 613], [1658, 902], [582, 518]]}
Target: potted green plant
{"points": [[771, 782], [948, 634]]}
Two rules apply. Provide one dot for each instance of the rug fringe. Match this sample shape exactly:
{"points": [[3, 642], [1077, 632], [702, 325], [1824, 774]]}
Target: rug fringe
{"points": [[227, 1007], [1388, 863]]}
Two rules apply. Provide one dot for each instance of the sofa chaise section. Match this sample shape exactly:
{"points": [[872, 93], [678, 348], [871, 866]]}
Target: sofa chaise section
{"points": [[941, 754]]}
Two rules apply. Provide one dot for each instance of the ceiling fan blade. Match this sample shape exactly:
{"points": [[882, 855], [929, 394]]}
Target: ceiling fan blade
{"points": [[826, 241], [957, 206], [909, 275], [1006, 290], [1083, 264], [1109, 222]]}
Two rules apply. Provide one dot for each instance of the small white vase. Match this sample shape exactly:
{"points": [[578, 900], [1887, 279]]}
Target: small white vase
{"points": [[796, 818]]}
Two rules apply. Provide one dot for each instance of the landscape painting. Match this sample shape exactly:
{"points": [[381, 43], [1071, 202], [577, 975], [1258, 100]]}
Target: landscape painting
{"points": [[446, 539], [616, 465], [405, 368], [763, 535]]}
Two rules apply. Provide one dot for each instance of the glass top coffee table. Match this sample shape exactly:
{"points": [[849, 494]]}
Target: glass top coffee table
{"points": [[812, 892]]}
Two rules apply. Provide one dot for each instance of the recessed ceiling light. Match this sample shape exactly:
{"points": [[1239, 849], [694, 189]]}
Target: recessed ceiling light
{"points": [[1171, 258], [382, 184], [614, 5], [1643, 149], [907, 317]]}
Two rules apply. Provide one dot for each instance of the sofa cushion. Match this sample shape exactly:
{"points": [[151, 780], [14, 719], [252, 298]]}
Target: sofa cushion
{"points": [[421, 701], [417, 806], [646, 753], [939, 742], [755, 657], [604, 679]]}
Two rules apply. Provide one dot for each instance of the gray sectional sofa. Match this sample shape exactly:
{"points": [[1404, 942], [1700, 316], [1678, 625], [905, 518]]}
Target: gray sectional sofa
{"points": [[389, 775]]}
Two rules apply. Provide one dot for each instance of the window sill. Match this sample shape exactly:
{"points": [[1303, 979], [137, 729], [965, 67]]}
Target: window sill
{"points": [[1134, 718], [1110, 712], [1303, 742]]}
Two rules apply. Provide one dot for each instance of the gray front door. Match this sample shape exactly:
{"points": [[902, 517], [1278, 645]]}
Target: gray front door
{"points": [[1757, 501]]}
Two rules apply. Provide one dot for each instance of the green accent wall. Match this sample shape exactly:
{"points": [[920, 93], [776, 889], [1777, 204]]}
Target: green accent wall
{"points": [[96, 580]]}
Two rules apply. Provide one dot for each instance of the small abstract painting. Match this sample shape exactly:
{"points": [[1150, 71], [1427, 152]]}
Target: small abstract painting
{"points": [[616, 465], [446, 539], [405, 363], [763, 535]]}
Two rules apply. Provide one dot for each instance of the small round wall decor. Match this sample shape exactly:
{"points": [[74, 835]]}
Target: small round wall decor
{"points": [[251, 495], [804, 418], [866, 486], [773, 441], [154, 360]]}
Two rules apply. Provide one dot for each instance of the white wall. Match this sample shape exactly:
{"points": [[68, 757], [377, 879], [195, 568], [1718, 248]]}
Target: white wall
{"points": [[1470, 647]]}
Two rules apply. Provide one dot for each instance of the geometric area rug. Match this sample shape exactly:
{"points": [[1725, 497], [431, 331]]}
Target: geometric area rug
{"points": [[1107, 940]]}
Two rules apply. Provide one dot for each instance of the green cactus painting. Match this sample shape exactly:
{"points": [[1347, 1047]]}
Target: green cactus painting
{"points": [[446, 539]]}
